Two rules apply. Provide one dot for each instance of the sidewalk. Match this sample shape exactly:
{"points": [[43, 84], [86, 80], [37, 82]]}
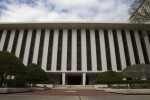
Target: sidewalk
{"points": [[27, 97]]}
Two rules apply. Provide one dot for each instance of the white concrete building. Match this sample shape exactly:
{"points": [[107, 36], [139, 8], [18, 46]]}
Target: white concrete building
{"points": [[75, 53]]}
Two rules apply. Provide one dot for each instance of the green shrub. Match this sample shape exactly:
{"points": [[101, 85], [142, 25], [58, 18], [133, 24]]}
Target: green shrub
{"points": [[14, 83], [124, 82], [46, 82], [109, 78]]}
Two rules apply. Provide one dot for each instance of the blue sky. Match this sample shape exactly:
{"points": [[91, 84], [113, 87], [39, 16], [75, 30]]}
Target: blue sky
{"points": [[64, 10]]}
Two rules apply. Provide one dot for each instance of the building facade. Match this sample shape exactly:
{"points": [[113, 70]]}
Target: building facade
{"points": [[75, 53]]}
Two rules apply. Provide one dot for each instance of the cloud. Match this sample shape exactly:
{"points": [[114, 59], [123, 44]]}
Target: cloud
{"points": [[64, 10]]}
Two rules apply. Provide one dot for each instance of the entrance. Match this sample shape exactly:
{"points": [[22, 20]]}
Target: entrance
{"points": [[74, 80]]}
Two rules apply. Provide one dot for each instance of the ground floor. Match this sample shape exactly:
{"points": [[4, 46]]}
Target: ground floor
{"points": [[73, 78]]}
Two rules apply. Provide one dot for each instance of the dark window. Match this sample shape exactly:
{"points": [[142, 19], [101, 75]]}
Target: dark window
{"points": [[1, 32], [136, 55], [143, 47], [23, 45], [13, 50], [107, 50], [59, 52], [50, 49], [148, 33], [117, 52], [40, 54], [32, 46], [69, 48], [6, 40], [126, 50], [78, 49], [88, 49], [98, 50]]}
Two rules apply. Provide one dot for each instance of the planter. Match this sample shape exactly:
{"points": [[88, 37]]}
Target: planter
{"points": [[129, 91], [14, 90], [45, 85], [18, 90]]}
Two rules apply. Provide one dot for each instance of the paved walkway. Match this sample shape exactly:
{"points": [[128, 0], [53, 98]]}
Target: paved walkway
{"points": [[31, 97], [57, 92]]}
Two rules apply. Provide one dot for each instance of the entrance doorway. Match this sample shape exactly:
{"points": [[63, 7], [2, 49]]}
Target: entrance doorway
{"points": [[74, 80]]}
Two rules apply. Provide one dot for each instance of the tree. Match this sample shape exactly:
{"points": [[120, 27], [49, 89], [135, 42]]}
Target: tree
{"points": [[10, 65], [35, 74], [109, 78], [134, 6], [137, 71], [140, 14]]}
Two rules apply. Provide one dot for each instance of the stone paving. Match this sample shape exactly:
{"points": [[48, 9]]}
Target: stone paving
{"points": [[65, 92]]}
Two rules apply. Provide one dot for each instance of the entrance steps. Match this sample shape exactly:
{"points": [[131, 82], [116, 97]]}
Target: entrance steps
{"points": [[77, 87]]}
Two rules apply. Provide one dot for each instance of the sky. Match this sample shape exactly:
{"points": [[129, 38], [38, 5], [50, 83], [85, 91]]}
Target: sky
{"points": [[64, 10]]}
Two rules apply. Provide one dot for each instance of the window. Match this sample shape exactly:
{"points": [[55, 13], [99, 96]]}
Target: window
{"points": [[23, 45], [78, 49], [69, 48], [59, 52], [88, 49], [127, 57], [136, 55], [107, 50], [7, 40], [117, 52], [50, 48], [98, 50], [32, 46], [143, 47], [15, 41], [40, 54], [1, 32]]}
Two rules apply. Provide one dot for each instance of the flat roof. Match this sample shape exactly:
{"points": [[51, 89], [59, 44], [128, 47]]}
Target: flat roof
{"points": [[72, 25]]}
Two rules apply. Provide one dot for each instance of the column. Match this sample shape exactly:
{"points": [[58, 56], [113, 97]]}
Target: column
{"points": [[3, 39], [130, 47], [63, 78], [93, 50], [45, 49], [137, 38], [11, 39], [74, 50], [36, 46], [83, 50], [54, 53], [64, 50], [147, 45], [19, 43], [112, 50], [103, 50], [27, 47], [84, 79], [121, 49]]}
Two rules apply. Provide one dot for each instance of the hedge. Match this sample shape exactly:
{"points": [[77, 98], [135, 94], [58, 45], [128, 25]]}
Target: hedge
{"points": [[15, 83], [125, 82], [46, 82]]}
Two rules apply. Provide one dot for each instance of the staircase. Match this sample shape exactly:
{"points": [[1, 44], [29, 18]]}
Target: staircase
{"points": [[76, 87]]}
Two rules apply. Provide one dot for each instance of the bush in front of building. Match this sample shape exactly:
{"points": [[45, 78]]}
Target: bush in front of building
{"points": [[15, 83], [109, 78], [34, 74], [137, 72], [46, 82], [10, 65]]}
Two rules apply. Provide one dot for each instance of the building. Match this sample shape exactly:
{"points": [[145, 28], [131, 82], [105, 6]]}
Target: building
{"points": [[142, 13], [75, 53]]}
